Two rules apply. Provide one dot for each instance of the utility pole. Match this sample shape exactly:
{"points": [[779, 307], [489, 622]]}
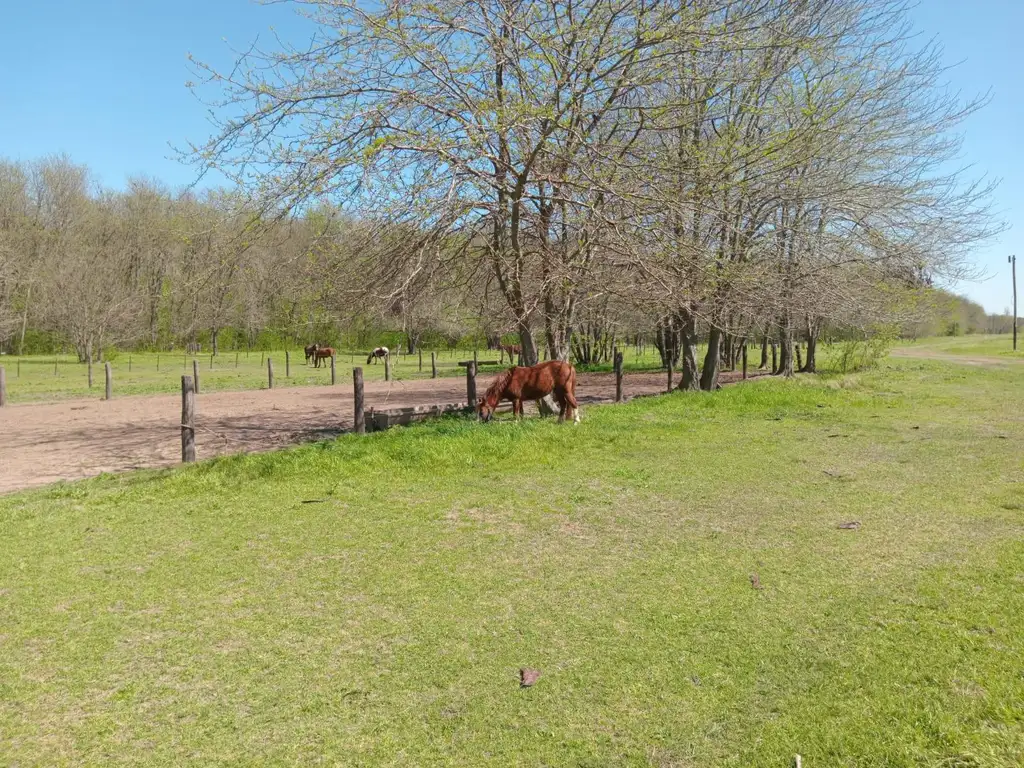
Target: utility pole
{"points": [[1013, 268]]}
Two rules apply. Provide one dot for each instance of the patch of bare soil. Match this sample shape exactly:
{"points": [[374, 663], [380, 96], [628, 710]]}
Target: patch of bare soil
{"points": [[70, 440]]}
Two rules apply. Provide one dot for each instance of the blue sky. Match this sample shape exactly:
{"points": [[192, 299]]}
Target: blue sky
{"points": [[104, 81]]}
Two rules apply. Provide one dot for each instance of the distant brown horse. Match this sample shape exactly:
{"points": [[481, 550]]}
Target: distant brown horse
{"points": [[512, 350], [555, 377], [322, 353], [311, 352]]}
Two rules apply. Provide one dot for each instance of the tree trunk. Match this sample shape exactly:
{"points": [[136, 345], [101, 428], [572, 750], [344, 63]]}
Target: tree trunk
{"points": [[528, 345], [726, 353], [690, 380], [764, 353], [709, 376], [557, 340], [24, 321], [811, 364], [785, 349], [214, 334]]}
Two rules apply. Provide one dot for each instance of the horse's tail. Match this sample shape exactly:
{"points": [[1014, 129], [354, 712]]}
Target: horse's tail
{"points": [[570, 394], [570, 386]]}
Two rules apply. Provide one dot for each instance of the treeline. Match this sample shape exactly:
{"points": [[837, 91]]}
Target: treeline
{"points": [[86, 268], [570, 173], [719, 170], [946, 314]]}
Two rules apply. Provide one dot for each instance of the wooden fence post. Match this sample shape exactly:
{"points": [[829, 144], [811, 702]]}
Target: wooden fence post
{"points": [[3, 387], [90, 370], [618, 377], [158, 363], [109, 374], [421, 360], [334, 377], [471, 384], [744, 361], [387, 367], [270, 373], [799, 361], [19, 367], [433, 365], [188, 420], [287, 364], [236, 358], [359, 418], [475, 358], [129, 363], [195, 374], [55, 360]]}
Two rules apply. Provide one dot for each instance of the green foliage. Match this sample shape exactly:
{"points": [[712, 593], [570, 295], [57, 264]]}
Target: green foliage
{"points": [[939, 312], [859, 354]]}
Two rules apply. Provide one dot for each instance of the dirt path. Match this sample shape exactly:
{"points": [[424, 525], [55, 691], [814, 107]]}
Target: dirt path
{"points": [[925, 353], [44, 443]]}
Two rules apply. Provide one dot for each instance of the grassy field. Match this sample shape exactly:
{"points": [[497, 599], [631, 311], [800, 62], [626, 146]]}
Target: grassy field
{"points": [[986, 346], [45, 378], [370, 600]]}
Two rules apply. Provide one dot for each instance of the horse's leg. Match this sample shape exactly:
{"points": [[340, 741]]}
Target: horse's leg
{"points": [[560, 399], [570, 397]]}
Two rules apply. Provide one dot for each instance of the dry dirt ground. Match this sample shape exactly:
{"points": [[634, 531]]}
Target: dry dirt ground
{"points": [[45, 443]]}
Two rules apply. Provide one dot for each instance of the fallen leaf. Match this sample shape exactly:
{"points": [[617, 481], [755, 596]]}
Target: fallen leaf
{"points": [[528, 677]]}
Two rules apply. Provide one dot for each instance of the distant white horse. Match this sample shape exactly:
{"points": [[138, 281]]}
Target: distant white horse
{"points": [[379, 352]]}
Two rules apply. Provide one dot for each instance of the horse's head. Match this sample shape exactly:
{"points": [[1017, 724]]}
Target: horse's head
{"points": [[484, 411]]}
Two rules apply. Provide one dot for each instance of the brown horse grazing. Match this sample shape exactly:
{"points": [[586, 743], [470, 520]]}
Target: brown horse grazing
{"points": [[322, 353], [555, 377], [310, 352], [512, 350]]}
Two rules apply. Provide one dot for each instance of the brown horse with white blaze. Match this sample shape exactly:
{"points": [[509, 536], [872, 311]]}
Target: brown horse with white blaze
{"points": [[555, 377]]}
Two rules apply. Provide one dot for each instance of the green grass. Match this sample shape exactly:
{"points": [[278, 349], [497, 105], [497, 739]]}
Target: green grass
{"points": [[208, 616], [37, 378], [46, 378], [997, 345]]}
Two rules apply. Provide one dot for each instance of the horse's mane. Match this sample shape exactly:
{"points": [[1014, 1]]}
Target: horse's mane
{"points": [[499, 384]]}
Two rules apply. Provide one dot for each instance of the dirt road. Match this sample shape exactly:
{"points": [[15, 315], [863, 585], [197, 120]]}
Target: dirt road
{"points": [[925, 353], [44, 443]]}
